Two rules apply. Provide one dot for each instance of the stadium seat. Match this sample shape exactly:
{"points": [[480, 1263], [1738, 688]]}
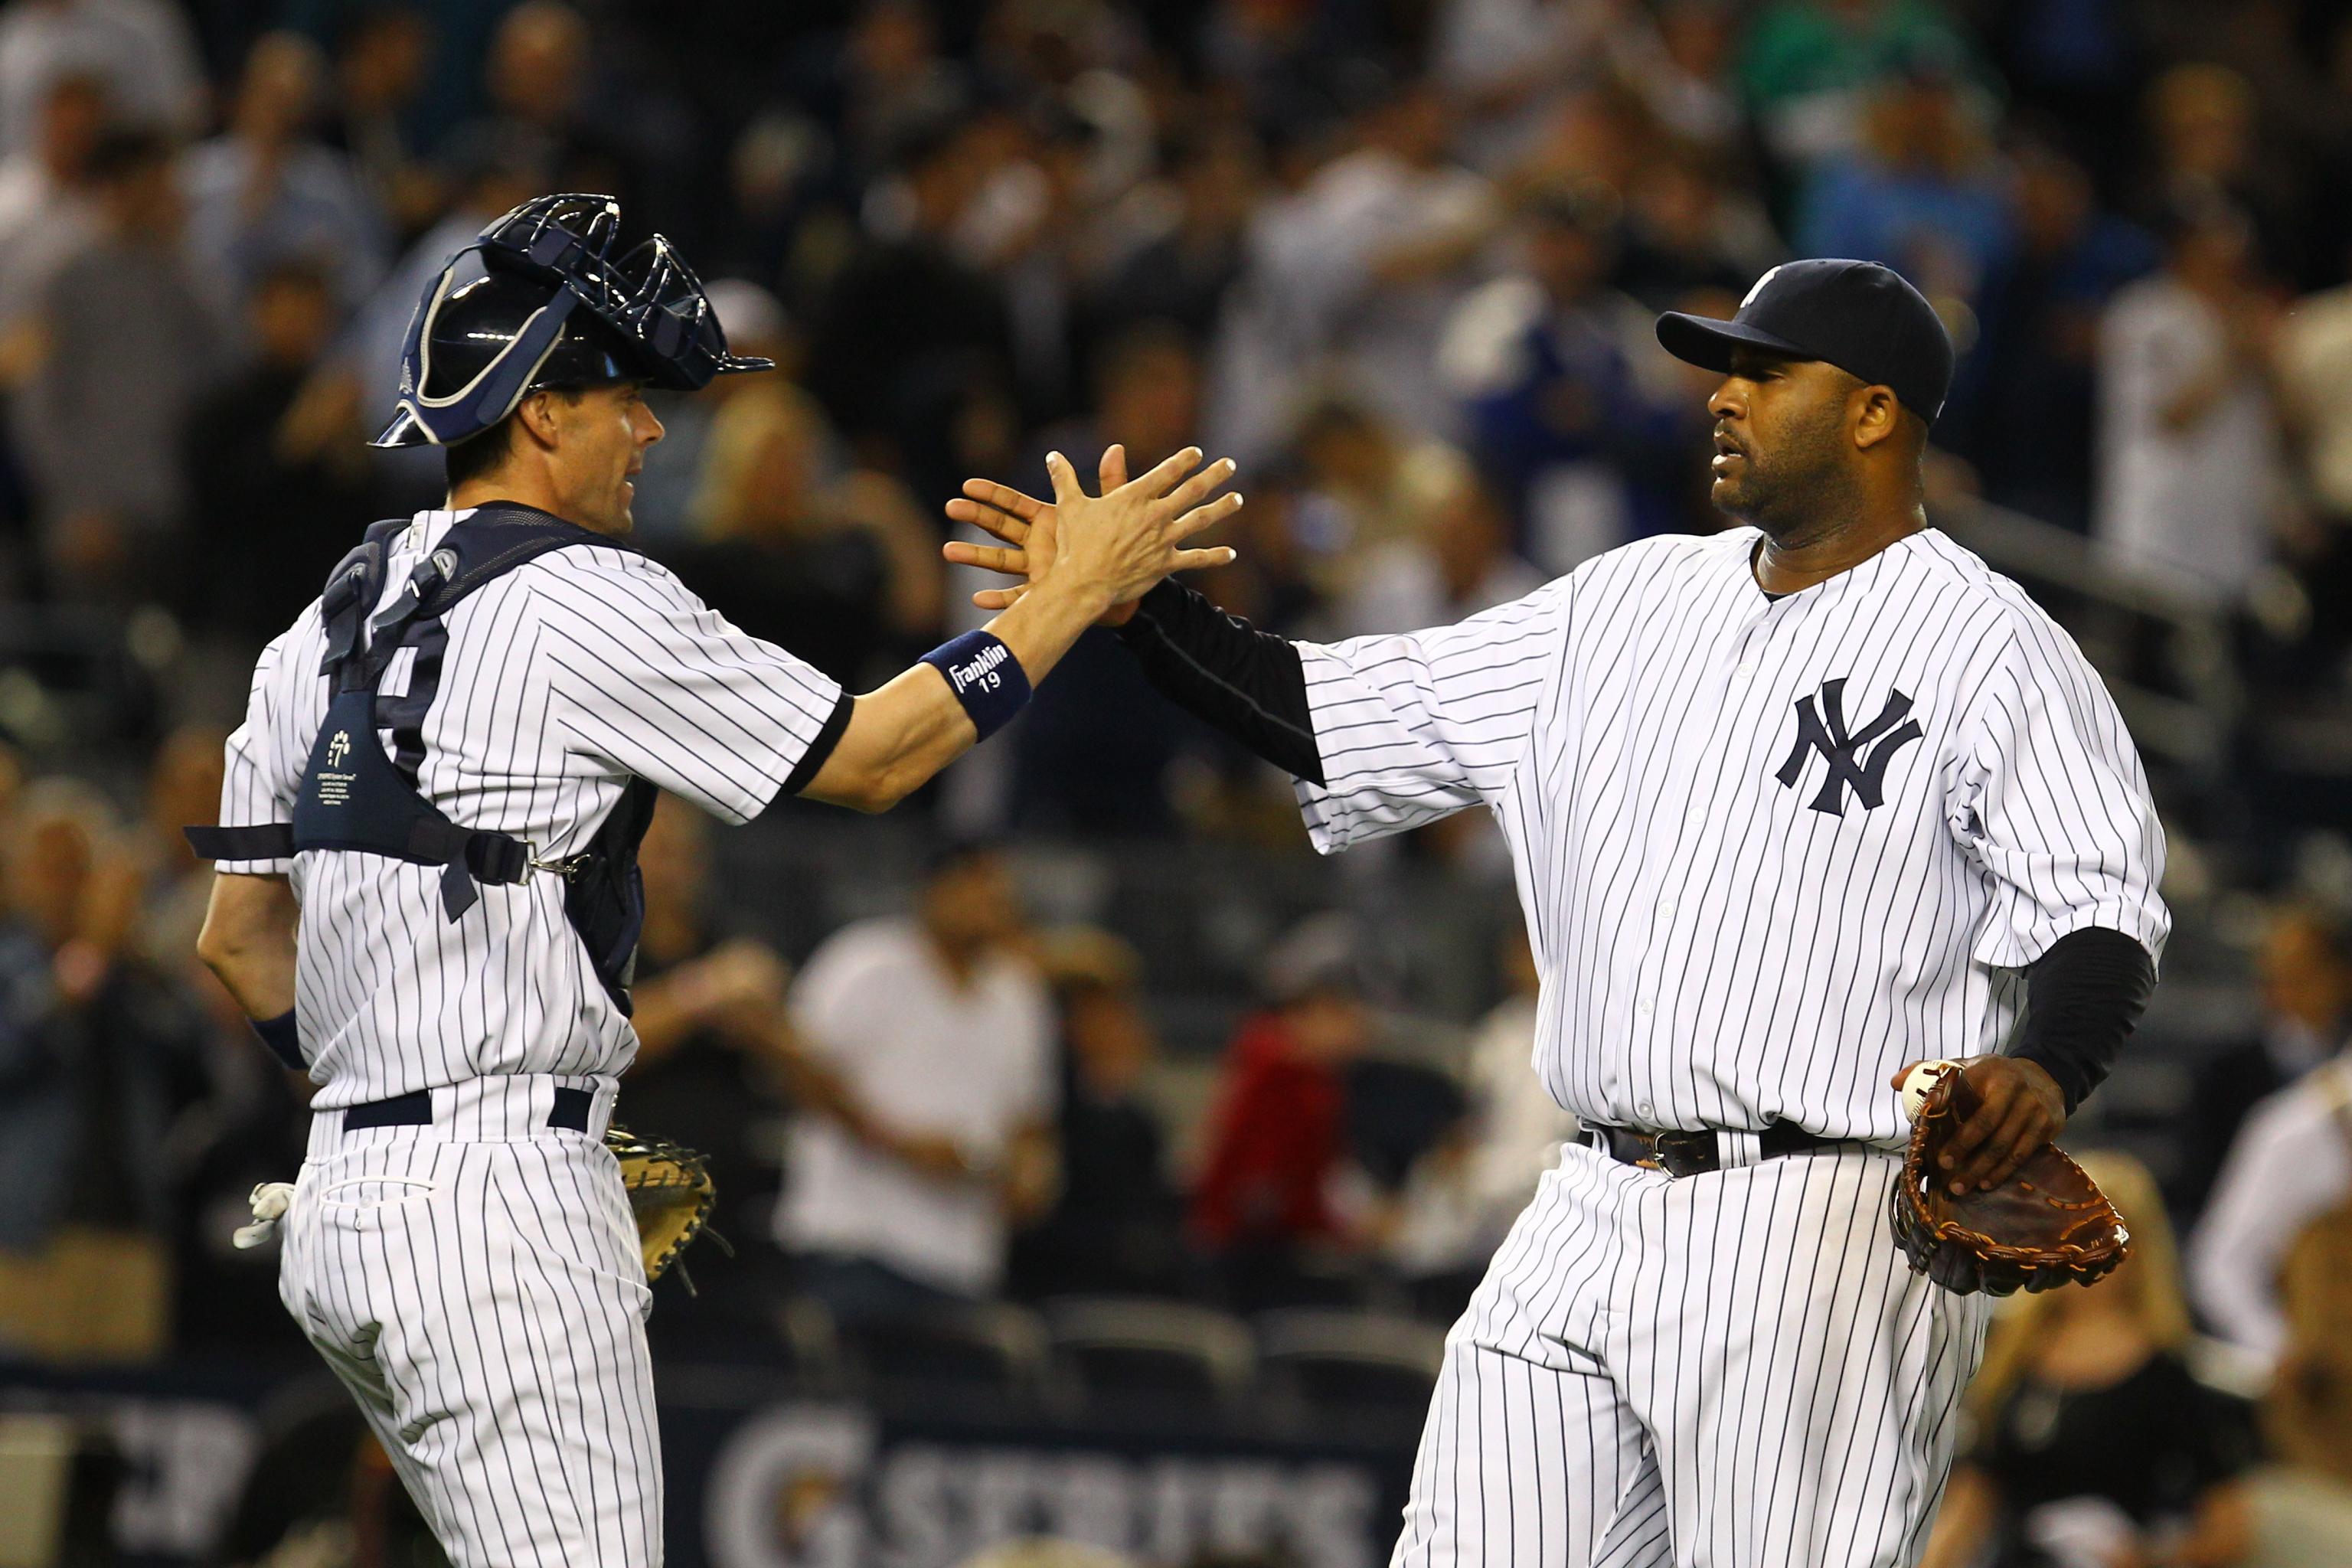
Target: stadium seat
{"points": [[1121, 1357], [991, 1351], [1365, 1373]]}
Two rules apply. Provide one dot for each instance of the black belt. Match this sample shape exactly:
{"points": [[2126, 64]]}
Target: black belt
{"points": [[1696, 1153], [414, 1108]]}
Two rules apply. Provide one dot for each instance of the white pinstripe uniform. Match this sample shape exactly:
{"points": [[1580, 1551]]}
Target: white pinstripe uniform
{"points": [[477, 1282], [1754, 892]]}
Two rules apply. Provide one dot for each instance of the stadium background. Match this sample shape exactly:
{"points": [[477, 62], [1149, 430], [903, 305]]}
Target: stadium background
{"points": [[1399, 257]]}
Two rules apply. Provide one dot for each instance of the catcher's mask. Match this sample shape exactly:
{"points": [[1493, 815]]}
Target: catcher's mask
{"points": [[538, 302]]}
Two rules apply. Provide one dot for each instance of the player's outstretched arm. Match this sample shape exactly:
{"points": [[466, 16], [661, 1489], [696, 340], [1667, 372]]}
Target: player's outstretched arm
{"points": [[1108, 549], [1217, 666]]}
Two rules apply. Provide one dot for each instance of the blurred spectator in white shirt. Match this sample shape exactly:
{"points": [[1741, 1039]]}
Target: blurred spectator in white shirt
{"points": [[1680, 65], [946, 1037], [1464, 1195], [45, 209], [265, 192], [143, 50], [2303, 973], [1353, 278], [2292, 1163], [2189, 481], [1508, 62], [127, 347], [2315, 374]]}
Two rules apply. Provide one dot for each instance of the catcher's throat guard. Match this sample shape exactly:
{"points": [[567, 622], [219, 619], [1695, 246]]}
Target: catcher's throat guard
{"points": [[2049, 1224], [539, 301]]}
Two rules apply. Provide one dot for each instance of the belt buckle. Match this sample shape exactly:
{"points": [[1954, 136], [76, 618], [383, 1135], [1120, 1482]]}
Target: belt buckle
{"points": [[1650, 1141]]}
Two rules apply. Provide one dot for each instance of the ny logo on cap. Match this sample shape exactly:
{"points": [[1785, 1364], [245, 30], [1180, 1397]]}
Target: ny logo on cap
{"points": [[1759, 288], [1859, 758]]}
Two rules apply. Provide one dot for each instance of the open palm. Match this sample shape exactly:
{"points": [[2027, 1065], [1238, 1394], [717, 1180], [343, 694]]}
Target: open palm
{"points": [[1028, 529]]}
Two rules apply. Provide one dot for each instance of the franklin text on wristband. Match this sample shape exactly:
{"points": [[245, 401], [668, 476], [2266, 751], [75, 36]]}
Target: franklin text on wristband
{"points": [[985, 678]]}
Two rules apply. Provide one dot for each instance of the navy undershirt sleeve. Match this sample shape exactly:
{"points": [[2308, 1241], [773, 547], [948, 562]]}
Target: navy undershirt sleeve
{"points": [[2084, 996], [1222, 670]]}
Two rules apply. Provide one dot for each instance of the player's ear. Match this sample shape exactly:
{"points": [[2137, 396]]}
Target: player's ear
{"points": [[537, 415], [1876, 415]]}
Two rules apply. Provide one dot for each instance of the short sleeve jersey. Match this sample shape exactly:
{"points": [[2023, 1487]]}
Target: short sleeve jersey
{"points": [[546, 692]]}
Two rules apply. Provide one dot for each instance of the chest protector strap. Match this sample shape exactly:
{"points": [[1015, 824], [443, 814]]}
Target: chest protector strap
{"points": [[354, 798]]}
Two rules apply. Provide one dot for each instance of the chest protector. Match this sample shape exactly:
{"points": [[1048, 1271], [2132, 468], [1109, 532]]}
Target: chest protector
{"points": [[357, 798]]}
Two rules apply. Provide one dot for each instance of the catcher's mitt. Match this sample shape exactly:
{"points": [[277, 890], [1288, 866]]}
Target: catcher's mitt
{"points": [[2047, 1226], [670, 1193]]}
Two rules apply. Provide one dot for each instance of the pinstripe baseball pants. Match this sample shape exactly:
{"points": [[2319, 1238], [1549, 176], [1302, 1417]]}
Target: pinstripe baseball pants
{"points": [[476, 1285], [1735, 1370]]}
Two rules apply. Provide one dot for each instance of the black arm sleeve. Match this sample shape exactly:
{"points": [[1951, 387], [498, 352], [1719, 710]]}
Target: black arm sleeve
{"points": [[1222, 670], [2083, 998]]}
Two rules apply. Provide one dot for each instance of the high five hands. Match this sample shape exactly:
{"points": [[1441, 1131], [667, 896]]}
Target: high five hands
{"points": [[1079, 533]]}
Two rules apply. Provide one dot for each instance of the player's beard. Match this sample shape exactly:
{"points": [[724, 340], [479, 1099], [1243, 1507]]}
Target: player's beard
{"points": [[1802, 483]]}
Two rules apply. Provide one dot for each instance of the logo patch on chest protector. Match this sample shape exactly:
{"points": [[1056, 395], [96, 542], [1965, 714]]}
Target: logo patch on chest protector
{"points": [[335, 787], [1859, 758]]}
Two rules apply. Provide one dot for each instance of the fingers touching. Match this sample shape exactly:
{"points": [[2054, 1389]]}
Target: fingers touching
{"points": [[1023, 509], [1181, 487], [1163, 475], [1004, 524], [987, 557]]}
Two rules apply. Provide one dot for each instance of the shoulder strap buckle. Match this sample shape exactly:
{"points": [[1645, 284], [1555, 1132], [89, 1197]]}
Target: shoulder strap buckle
{"points": [[566, 867]]}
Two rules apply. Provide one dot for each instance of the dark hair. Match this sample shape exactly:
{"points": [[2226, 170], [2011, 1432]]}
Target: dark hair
{"points": [[477, 456], [481, 454]]}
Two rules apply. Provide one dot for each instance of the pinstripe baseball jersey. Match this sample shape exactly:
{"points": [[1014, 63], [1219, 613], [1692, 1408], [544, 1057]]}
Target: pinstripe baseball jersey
{"points": [[528, 711], [1768, 848]]}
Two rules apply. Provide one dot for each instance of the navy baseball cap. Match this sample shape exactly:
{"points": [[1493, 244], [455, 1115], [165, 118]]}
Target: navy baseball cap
{"points": [[1856, 315]]}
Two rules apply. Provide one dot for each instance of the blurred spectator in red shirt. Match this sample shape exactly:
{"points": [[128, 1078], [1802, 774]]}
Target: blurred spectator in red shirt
{"points": [[1276, 1184]]}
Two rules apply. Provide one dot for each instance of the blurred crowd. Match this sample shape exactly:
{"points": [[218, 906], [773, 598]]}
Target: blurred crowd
{"points": [[1398, 257]]}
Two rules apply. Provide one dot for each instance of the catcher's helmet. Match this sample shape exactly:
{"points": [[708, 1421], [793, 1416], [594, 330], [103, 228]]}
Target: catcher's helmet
{"points": [[537, 302]]}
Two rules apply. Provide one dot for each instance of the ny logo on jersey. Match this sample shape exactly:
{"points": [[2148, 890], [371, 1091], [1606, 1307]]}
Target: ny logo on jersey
{"points": [[1859, 758]]}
